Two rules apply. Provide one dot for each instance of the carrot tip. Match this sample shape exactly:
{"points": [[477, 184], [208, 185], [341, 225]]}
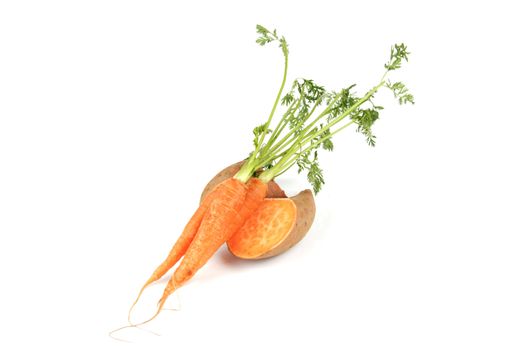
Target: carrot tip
{"points": [[159, 309], [135, 303], [119, 329], [129, 326]]}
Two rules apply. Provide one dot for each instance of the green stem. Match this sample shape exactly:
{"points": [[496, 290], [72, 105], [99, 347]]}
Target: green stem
{"points": [[248, 167], [279, 128], [278, 98], [285, 141], [346, 113], [297, 148], [313, 145]]}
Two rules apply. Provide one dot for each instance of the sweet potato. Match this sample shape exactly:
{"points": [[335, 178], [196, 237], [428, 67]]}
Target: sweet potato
{"points": [[276, 226]]}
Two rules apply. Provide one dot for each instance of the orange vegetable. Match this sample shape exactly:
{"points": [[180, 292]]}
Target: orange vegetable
{"points": [[277, 225], [230, 204], [274, 191], [183, 242]]}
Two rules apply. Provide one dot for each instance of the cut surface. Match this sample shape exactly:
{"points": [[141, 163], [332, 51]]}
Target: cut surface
{"points": [[269, 225]]}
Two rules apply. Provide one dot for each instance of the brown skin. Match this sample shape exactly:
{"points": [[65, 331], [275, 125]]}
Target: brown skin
{"points": [[305, 204], [274, 191]]}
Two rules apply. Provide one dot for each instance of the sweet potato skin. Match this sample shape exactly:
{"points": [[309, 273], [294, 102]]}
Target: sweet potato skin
{"points": [[305, 204], [274, 191]]}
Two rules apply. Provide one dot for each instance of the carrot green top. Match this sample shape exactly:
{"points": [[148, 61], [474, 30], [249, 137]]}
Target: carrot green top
{"points": [[312, 116]]}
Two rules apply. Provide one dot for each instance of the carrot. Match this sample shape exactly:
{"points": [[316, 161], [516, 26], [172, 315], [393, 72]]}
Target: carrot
{"points": [[274, 190], [224, 219], [313, 116], [183, 242], [225, 216]]}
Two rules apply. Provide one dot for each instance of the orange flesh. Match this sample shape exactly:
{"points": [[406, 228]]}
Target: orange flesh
{"points": [[265, 229]]}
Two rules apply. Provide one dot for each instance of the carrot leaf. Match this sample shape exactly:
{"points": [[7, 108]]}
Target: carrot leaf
{"points": [[313, 116]]}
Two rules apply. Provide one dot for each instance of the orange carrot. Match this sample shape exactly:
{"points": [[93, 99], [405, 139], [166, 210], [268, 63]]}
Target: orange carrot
{"points": [[224, 217], [185, 239]]}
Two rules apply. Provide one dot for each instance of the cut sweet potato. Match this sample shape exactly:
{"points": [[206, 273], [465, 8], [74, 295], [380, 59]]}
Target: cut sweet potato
{"points": [[277, 225]]}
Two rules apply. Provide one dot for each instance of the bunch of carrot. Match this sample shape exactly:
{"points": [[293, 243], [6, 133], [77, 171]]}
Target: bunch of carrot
{"points": [[226, 208], [219, 216]]}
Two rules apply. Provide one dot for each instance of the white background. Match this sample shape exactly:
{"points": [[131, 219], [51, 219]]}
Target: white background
{"points": [[114, 114]]}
